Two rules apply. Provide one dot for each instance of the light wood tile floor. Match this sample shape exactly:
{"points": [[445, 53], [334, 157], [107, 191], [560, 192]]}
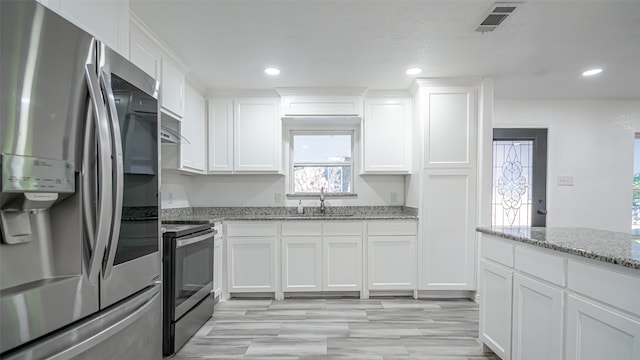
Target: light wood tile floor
{"points": [[375, 329]]}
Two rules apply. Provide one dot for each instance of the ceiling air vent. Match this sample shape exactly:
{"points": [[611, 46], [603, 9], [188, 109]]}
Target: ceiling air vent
{"points": [[496, 15]]}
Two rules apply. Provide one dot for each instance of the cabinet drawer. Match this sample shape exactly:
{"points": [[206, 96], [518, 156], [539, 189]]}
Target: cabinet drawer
{"points": [[392, 227], [497, 250], [342, 228], [608, 286], [290, 228], [267, 228], [542, 265]]}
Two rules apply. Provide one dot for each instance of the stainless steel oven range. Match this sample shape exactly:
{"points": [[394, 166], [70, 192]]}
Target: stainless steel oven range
{"points": [[188, 282]]}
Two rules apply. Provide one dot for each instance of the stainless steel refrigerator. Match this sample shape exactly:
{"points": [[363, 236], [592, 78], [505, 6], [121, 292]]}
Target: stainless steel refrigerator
{"points": [[79, 239]]}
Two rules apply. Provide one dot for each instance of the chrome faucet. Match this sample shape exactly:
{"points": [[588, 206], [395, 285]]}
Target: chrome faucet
{"points": [[322, 207]]}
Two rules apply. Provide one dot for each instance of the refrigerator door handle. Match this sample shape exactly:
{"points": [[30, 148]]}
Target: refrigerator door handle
{"points": [[118, 174], [105, 181]]}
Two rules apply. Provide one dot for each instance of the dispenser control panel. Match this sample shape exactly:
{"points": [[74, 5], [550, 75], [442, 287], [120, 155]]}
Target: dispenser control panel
{"points": [[31, 174]]}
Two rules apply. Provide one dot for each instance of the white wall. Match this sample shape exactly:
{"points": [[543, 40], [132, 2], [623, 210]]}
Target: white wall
{"points": [[591, 140], [174, 190], [261, 190]]}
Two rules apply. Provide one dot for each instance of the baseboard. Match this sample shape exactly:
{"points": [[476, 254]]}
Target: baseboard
{"points": [[446, 294]]}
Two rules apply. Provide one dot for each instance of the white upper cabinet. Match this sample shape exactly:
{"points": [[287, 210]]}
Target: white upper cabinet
{"points": [[220, 135], [107, 20], [321, 105], [193, 129], [450, 127], [245, 135], [144, 53], [387, 135], [172, 86], [257, 134]]}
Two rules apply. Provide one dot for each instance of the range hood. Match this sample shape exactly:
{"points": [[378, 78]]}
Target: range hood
{"points": [[168, 136]]}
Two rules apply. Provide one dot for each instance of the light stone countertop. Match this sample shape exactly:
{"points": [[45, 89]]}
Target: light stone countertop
{"points": [[285, 217], [608, 246], [341, 213]]}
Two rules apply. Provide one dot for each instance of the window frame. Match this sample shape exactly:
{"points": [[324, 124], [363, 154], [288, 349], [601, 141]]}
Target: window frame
{"points": [[634, 189], [291, 163]]}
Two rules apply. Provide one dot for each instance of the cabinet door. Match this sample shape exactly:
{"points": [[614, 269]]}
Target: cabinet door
{"points": [[342, 263], [449, 236], [217, 267], [257, 135], [496, 285], [144, 53], [387, 135], [193, 129], [251, 264], [302, 263], [172, 87], [107, 20], [220, 135], [321, 105], [596, 332], [450, 127], [537, 320], [391, 262]]}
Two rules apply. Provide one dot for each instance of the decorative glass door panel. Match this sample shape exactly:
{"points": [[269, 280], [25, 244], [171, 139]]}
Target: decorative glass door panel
{"points": [[519, 177], [512, 172]]}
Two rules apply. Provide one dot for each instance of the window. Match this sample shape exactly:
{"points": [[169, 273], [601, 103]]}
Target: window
{"points": [[635, 208], [321, 160]]}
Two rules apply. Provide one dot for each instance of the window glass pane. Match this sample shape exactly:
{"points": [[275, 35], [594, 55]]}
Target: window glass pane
{"points": [[511, 200], [334, 179], [321, 148]]}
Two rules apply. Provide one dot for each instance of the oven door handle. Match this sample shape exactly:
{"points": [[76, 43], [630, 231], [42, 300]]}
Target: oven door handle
{"points": [[184, 242]]}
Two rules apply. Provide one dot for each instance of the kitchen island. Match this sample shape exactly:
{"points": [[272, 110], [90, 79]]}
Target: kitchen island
{"points": [[559, 293]]}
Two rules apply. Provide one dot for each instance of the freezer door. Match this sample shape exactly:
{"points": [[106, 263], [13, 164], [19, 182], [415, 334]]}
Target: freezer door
{"points": [[129, 330]]}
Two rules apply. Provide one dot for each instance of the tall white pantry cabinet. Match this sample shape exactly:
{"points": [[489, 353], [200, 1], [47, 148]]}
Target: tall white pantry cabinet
{"points": [[450, 114]]}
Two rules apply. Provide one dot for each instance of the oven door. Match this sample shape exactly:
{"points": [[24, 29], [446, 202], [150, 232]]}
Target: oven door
{"points": [[193, 279]]}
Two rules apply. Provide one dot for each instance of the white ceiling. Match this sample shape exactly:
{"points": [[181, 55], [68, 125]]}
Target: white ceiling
{"points": [[539, 51]]}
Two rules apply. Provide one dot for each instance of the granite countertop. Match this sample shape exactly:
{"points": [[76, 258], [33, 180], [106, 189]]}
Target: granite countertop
{"points": [[608, 246], [196, 215], [275, 217]]}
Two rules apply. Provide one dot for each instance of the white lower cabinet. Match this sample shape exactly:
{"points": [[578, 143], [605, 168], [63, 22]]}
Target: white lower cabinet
{"points": [[391, 255], [496, 286], [537, 320], [251, 257], [392, 264], [597, 332], [321, 256], [342, 263], [549, 305], [301, 263], [252, 264]]}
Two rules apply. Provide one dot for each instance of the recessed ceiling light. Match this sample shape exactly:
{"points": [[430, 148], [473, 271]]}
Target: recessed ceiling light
{"points": [[592, 72], [272, 71], [414, 71]]}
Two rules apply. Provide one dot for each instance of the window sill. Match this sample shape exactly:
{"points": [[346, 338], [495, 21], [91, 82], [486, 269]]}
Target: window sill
{"points": [[317, 195]]}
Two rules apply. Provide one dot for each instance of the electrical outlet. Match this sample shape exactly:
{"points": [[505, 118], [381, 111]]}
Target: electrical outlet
{"points": [[277, 197], [565, 180], [394, 197]]}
